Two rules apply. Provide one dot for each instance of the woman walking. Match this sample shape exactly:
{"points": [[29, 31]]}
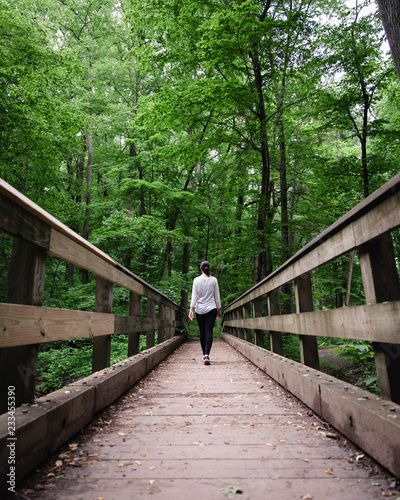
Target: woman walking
{"points": [[207, 304]]}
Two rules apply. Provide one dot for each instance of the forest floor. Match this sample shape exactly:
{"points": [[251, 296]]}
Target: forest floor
{"points": [[341, 367]]}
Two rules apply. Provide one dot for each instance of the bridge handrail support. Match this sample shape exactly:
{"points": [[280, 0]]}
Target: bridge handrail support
{"points": [[366, 228], [24, 323]]}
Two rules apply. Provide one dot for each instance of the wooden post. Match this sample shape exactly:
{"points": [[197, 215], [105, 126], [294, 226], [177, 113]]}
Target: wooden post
{"points": [[151, 313], [304, 303], [381, 283], [273, 309], [161, 315], [134, 311], [26, 285], [231, 317], [247, 315], [257, 312], [239, 315], [168, 317], [173, 317], [102, 345]]}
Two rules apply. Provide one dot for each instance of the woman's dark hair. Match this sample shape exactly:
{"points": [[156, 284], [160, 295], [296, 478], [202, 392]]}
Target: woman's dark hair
{"points": [[205, 267]]}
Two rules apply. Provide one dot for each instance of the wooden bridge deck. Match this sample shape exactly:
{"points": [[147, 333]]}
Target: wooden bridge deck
{"points": [[189, 431]]}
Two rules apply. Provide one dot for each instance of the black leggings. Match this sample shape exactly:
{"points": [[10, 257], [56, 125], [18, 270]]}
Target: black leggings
{"points": [[206, 325]]}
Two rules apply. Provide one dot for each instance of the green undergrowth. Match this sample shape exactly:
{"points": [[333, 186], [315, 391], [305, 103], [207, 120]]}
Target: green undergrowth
{"points": [[60, 363]]}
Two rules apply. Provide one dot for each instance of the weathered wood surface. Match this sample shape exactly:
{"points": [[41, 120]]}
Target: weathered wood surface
{"points": [[194, 431], [45, 425], [373, 322], [22, 218], [22, 325], [376, 215]]}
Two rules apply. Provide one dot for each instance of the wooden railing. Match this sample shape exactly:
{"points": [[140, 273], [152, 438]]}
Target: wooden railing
{"points": [[24, 323], [367, 228]]}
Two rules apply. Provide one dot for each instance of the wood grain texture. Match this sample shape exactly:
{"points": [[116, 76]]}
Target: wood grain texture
{"points": [[376, 215], [71, 251], [374, 322], [22, 325]]}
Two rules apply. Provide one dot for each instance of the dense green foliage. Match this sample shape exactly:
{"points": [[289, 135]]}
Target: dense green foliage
{"points": [[170, 132]]}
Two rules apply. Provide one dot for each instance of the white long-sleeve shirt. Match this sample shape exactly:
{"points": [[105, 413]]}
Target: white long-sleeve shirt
{"points": [[205, 294]]}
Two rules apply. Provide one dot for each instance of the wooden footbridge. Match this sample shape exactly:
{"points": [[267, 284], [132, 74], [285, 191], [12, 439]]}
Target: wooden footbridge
{"points": [[161, 424]]}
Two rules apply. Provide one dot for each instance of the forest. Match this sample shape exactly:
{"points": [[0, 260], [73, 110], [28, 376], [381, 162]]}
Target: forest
{"points": [[169, 132]]}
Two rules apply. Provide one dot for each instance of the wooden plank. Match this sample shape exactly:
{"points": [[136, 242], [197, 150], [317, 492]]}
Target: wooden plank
{"points": [[22, 325], [357, 414], [127, 324], [56, 417], [134, 312], [101, 354], [21, 224], [337, 240], [151, 313], [30, 207], [373, 322], [304, 303], [161, 315], [258, 333], [273, 309], [71, 251], [247, 314], [381, 283], [25, 286]]}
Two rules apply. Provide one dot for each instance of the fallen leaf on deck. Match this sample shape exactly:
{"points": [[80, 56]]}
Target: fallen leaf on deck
{"points": [[59, 463], [122, 434], [152, 467], [125, 464], [307, 497], [231, 491], [328, 471]]}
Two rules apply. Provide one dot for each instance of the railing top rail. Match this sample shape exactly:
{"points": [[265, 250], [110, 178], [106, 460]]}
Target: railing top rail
{"points": [[379, 196], [31, 208]]}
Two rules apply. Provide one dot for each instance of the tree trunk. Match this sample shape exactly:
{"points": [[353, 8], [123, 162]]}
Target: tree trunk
{"points": [[265, 195], [390, 15], [85, 232], [262, 265]]}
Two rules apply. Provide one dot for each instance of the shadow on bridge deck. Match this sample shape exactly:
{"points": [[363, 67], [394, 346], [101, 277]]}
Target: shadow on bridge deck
{"points": [[189, 431]]}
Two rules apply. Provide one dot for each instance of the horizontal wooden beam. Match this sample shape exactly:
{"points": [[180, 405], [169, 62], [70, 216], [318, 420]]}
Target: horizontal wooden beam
{"points": [[375, 216], [22, 218], [24, 325], [373, 322], [67, 249], [29, 207], [21, 224]]}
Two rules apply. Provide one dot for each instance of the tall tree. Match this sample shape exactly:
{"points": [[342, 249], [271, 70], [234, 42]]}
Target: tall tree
{"points": [[390, 15]]}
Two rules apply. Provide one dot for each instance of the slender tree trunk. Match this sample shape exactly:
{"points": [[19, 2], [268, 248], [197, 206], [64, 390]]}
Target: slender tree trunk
{"points": [[265, 195], [262, 264], [85, 232]]}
